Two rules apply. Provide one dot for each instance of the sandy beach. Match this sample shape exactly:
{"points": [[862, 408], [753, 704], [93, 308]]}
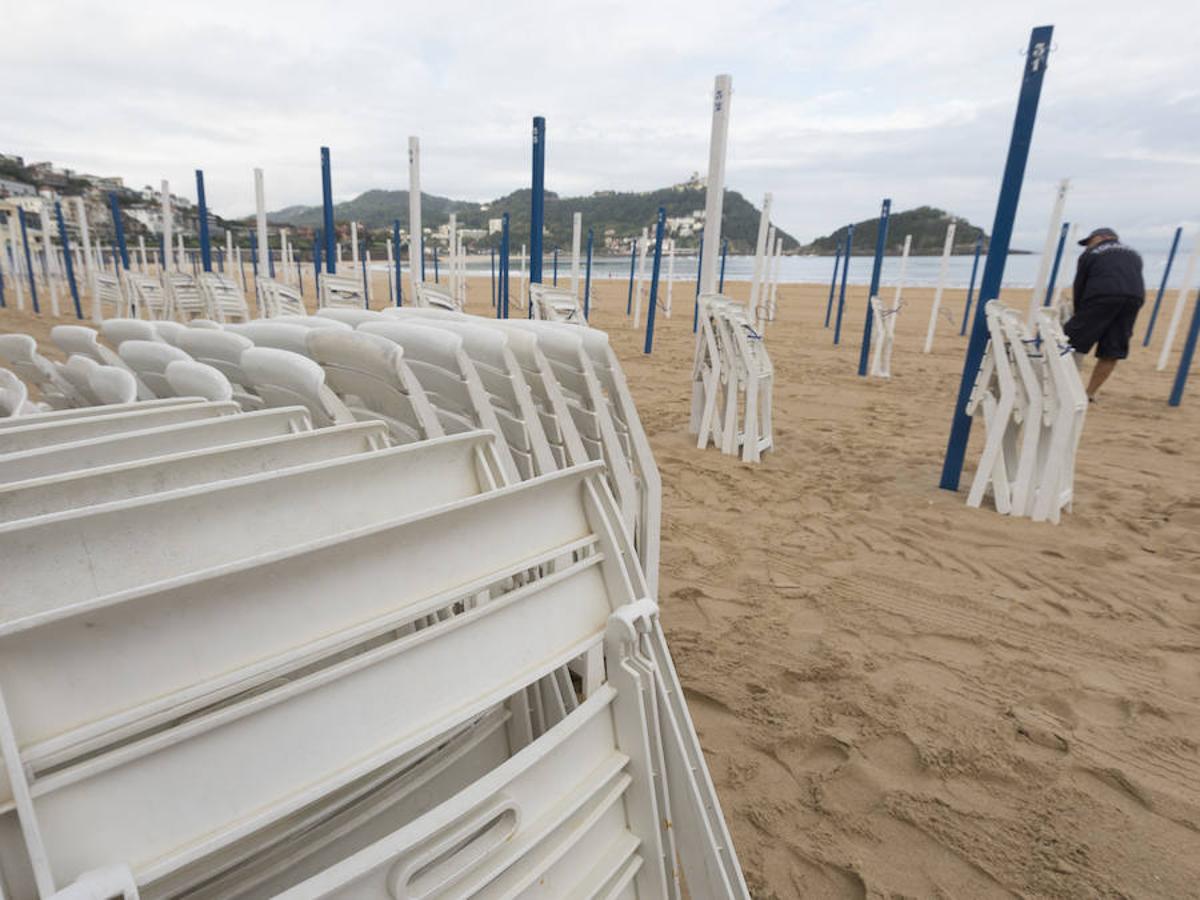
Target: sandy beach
{"points": [[902, 696]]}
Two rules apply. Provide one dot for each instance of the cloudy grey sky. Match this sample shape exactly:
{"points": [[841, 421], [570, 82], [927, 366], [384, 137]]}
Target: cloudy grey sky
{"points": [[835, 105]]}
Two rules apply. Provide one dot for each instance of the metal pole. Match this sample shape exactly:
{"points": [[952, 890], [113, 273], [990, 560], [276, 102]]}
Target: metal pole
{"points": [[876, 270], [317, 264], [699, 277], [658, 240], [502, 299], [437, 278], [1162, 286], [587, 279], [366, 282], [493, 275], [947, 249], [202, 210], [714, 187], [1043, 270], [416, 237], [576, 235], [1185, 361], [837, 326], [327, 208], [537, 211], [254, 255], [120, 229], [1058, 254], [724, 253], [260, 209], [837, 258], [1033, 72], [632, 264], [971, 288], [66, 244], [396, 246], [556, 267], [28, 260]]}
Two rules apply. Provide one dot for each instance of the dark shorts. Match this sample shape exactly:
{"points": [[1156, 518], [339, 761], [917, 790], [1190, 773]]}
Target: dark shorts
{"points": [[1105, 323]]}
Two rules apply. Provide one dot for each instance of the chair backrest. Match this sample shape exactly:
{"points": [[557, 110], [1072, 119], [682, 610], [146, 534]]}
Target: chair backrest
{"points": [[205, 324], [149, 361], [318, 321], [283, 378], [14, 396], [149, 296], [117, 331], [223, 351], [166, 439], [351, 317], [224, 298], [170, 332], [422, 312], [83, 341], [109, 296], [78, 371], [274, 333], [370, 376], [555, 305], [279, 299], [434, 297], [188, 378], [341, 290], [19, 351], [185, 295], [46, 434], [113, 385]]}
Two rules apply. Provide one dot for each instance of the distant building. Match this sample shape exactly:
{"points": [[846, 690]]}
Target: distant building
{"points": [[10, 188]]}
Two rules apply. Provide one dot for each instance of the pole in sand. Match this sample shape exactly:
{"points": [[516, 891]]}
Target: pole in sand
{"points": [[971, 287], [576, 239], [1162, 287], [316, 264], [1185, 361], [1180, 302], [633, 248], [396, 247], [947, 249], [28, 259], [837, 327], [696, 305], [327, 212], [202, 211], [119, 227], [1058, 255], [66, 245], [493, 276], [1032, 75], [876, 270], [658, 242], [1043, 271], [837, 258], [724, 253], [537, 208], [502, 300], [587, 278]]}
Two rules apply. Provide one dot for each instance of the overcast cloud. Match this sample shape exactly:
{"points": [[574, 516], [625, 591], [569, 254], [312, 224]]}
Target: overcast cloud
{"points": [[835, 105]]}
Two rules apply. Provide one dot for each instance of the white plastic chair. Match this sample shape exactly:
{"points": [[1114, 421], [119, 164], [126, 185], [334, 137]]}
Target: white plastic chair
{"points": [[223, 298], [20, 353], [83, 341], [14, 396], [117, 331], [351, 317], [188, 378], [341, 291], [283, 378], [148, 296], [45, 434], [555, 305], [279, 299], [78, 371], [113, 386], [223, 351], [369, 375], [274, 333], [171, 332], [83, 412], [110, 298], [434, 297], [149, 360], [185, 297]]}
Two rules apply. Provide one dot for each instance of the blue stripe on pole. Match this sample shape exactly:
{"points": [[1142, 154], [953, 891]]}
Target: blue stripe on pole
{"points": [[436, 277], [971, 287], [3, 250], [1033, 73], [537, 210], [556, 267], [493, 258], [502, 300], [587, 280], [202, 209], [254, 252], [876, 270], [327, 209], [1058, 255], [1185, 361], [1162, 287], [837, 327], [837, 258], [658, 241], [724, 253], [119, 227], [632, 265], [28, 260], [67, 261], [696, 305], [396, 247], [317, 264]]}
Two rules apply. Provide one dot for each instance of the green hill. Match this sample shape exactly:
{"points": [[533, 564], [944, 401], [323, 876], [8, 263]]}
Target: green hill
{"points": [[626, 214], [926, 225]]}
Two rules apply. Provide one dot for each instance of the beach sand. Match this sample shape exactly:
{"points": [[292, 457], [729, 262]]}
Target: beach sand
{"points": [[901, 696]]}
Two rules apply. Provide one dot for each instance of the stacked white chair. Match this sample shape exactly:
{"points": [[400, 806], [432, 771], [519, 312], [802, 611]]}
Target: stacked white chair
{"points": [[20, 353], [110, 298], [117, 331], [223, 351], [14, 396], [223, 298], [555, 305], [79, 340], [149, 360], [885, 330], [1031, 400], [432, 296], [149, 296], [284, 379], [185, 298], [279, 299], [188, 378], [340, 291], [732, 381]]}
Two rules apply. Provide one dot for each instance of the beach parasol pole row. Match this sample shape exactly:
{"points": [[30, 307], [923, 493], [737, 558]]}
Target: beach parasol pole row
{"points": [[67, 262], [1032, 74], [1162, 287], [864, 354], [837, 327], [537, 201], [724, 254], [202, 211], [837, 258], [658, 242], [971, 287], [1058, 255], [587, 278]]}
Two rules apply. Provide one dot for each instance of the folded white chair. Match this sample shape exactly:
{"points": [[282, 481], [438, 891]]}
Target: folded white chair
{"points": [[202, 465], [369, 375], [149, 360], [64, 415], [555, 305], [189, 378], [185, 298], [223, 351], [223, 298], [446, 373], [113, 386], [20, 353], [434, 297], [994, 399], [44, 434], [84, 341], [110, 298], [279, 299], [344, 291], [160, 441], [78, 371], [1056, 489], [148, 296], [169, 331], [14, 396], [284, 378], [117, 331], [885, 329]]}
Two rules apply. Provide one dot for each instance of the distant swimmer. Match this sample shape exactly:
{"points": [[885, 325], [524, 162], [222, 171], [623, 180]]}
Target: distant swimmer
{"points": [[1108, 293]]}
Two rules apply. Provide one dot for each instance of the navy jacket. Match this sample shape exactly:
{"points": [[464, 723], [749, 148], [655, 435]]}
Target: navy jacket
{"points": [[1109, 270]]}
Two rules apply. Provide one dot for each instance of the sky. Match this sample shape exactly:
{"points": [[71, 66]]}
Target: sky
{"points": [[835, 105]]}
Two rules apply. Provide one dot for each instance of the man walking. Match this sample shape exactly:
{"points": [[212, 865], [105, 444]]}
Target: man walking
{"points": [[1108, 293]]}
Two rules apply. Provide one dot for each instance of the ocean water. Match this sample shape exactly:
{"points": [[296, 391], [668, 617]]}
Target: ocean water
{"points": [[1019, 271]]}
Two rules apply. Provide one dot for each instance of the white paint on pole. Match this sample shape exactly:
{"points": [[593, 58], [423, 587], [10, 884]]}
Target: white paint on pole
{"points": [[353, 245], [760, 250], [670, 275], [391, 263], [452, 262], [1047, 260], [367, 270], [166, 230], [714, 186], [1061, 284], [13, 231], [228, 249], [7, 236], [941, 285], [775, 278], [521, 285], [181, 259], [576, 238], [142, 253], [284, 256], [1180, 303], [48, 258], [416, 241], [85, 238]]}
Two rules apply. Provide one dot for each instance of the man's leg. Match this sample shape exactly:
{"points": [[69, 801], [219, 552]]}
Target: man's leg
{"points": [[1104, 367]]}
